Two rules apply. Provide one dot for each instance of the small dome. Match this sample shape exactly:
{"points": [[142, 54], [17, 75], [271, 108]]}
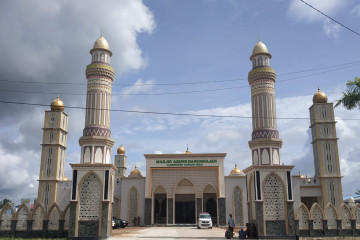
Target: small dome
{"points": [[57, 105], [101, 44], [135, 173], [236, 171], [320, 97], [351, 200], [66, 179], [121, 150], [260, 49]]}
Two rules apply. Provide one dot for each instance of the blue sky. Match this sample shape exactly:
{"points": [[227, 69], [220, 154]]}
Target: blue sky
{"points": [[174, 42]]}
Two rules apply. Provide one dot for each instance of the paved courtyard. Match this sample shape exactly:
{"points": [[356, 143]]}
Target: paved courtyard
{"points": [[167, 233]]}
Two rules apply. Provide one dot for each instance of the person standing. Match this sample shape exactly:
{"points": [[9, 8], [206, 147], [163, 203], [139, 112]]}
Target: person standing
{"points": [[231, 224]]}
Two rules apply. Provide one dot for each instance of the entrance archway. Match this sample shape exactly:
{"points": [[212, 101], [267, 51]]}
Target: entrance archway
{"points": [[159, 206], [210, 203], [185, 202]]}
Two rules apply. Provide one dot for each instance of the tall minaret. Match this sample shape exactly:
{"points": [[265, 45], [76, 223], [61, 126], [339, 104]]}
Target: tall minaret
{"points": [[325, 149], [53, 153], [120, 162], [93, 178], [270, 195], [265, 143], [96, 141]]}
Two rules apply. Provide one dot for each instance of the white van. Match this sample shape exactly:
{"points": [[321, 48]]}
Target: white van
{"points": [[204, 220]]}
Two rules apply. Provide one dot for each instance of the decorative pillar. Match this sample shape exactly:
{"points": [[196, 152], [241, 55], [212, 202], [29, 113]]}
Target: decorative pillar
{"points": [[199, 209], [222, 211], [148, 210], [170, 211]]}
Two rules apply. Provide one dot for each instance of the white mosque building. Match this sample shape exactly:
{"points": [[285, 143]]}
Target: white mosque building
{"points": [[176, 187]]}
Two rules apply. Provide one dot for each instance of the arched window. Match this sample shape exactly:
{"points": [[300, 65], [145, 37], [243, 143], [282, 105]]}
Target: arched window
{"points": [[317, 217], [357, 216], [102, 57], [54, 219], [22, 216], [331, 217], [260, 61], [273, 198], [303, 217], [90, 197], [133, 199], [266, 61], [254, 62], [6, 217], [238, 207], [345, 218], [38, 217]]}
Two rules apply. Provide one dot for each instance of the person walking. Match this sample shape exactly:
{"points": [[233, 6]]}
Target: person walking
{"points": [[231, 224]]}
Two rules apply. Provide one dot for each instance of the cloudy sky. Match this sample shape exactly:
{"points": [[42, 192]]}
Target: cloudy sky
{"points": [[178, 57]]}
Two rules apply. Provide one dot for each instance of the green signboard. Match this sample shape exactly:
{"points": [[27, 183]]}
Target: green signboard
{"points": [[185, 163]]}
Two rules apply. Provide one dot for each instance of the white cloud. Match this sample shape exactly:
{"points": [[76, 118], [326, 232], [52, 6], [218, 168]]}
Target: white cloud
{"points": [[300, 11], [356, 10], [331, 29], [139, 86]]}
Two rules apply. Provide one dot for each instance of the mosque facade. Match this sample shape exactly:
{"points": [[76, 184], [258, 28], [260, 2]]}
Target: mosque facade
{"points": [[176, 187]]}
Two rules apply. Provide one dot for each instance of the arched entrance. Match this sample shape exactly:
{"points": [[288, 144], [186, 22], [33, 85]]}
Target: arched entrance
{"points": [[185, 202], [210, 203], [159, 206]]}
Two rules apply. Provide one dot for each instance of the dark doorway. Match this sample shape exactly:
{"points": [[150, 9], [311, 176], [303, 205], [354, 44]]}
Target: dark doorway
{"points": [[160, 209], [211, 208], [185, 208]]}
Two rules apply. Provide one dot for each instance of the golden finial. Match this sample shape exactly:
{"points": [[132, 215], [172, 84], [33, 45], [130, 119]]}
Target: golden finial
{"points": [[187, 149], [259, 36]]}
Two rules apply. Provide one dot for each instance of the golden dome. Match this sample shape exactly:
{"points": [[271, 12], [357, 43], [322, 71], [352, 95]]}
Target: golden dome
{"points": [[135, 172], [260, 48], [66, 179], [351, 200], [236, 171], [320, 97], [121, 150], [102, 44], [57, 105]]}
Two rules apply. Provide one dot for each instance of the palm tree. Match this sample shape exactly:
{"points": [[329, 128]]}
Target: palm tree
{"points": [[351, 98]]}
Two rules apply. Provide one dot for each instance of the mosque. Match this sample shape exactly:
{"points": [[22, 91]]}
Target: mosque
{"points": [[176, 187]]}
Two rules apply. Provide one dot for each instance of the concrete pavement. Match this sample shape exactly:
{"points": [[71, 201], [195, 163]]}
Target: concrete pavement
{"points": [[167, 233]]}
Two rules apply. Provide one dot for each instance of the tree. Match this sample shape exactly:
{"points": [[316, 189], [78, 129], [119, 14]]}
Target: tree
{"points": [[4, 201], [351, 98], [357, 192]]}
